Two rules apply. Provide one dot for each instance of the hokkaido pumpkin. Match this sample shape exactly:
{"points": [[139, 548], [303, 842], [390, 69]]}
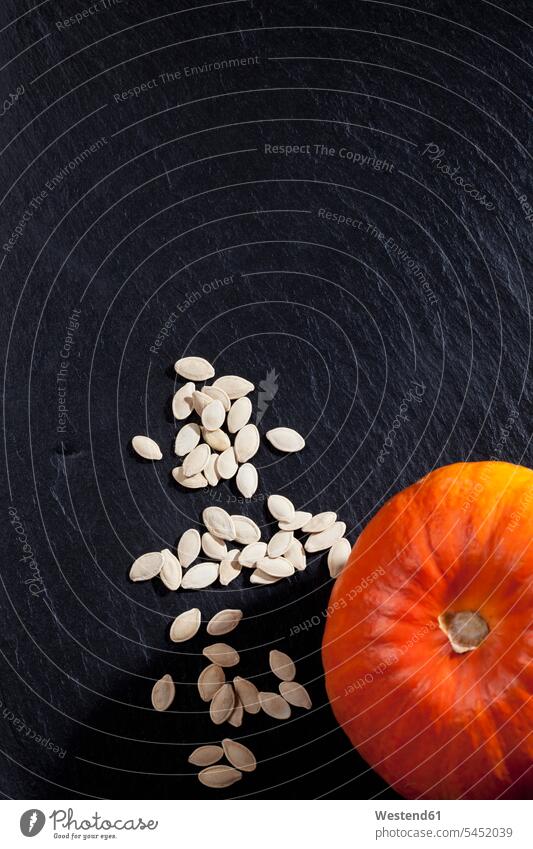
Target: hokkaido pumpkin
{"points": [[428, 645]]}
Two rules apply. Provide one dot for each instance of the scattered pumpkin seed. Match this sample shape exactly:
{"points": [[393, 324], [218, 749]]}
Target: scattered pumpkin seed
{"points": [[247, 443], [187, 438], [194, 368], [227, 465], [230, 568], [189, 547], [214, 547], [285, 439], [163, 693], [194, 482], [186, 625], [278, 567], [210, 470], [235, 387], [280, 543], [195, 462], [147, 566], [146, 448], [325, 539], [274, 705], [206, 755], [251, 554], [295, 554], [248, 694], [239, 414], [219, 523], [222, 704], [319, 523], [200, 401], [301, 517], [238, 755], [182, 405], [224, 621], [200, 576], [247, 480], [338, 556], [221, 654], [218, 394], [237, 714], [282, 665], [246, 531], [171, 571], [219, 776], [210, 681], [258, 576], [295, 694], [213, 415], [281, 508], [216, 439]]}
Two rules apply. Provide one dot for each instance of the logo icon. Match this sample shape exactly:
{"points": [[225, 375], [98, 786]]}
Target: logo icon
{"points": [[32, 822], [268, 389]]}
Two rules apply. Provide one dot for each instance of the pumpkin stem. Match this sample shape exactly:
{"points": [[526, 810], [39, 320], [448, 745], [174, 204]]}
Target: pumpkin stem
{"points": [[465, 630]]}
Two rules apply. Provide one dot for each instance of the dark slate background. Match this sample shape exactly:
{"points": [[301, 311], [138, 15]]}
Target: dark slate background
{"points": [[180, 194]]}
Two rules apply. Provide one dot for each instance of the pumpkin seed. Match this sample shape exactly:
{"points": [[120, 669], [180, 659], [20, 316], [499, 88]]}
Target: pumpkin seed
{"points": [[237, 714], [218, 394], [192, 482], [338, 557], [319, 523], [223, 622], [295, 694], [186, 625], [248, 694], [171, 570], [325, 539], [260, 577], [219, 523], [196, 461], [213, 415], [282, 665], [214, 547], [247, 443], [252, 553], [189, 547], [219, 776], [221, 654], [280, 543], [182, 405], [147, 566], [227, 464], [235, 387], [200, 576], [222, 704], [278, 567], [281, 508], [206, 755], [146, 448], [210, 470], [247, 480], [274, 705], [187, 438], [163, 693], [295, 554], [194, 368], [216, 439], [239, 414], [230, 568], [238, 755], [200, 401], [285, 439], [246, 531], [210, 681], [301, 517]]}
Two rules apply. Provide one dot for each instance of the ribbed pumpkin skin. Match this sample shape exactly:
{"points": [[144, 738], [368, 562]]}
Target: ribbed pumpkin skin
{"points": [[433, 723]]}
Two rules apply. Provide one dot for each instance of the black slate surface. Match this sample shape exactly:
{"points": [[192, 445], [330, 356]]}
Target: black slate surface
{"points": [[397, 343]]}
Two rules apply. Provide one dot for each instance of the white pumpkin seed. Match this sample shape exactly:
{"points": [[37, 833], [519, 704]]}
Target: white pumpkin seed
{"points": [[182, 405], [295, 554], [235, 387], [248, 694], [214, 547], [300, 519], [210, 470], [189, 547], [196, 461], [187, 438], [338, 557], [247, 480], [247, 443], [275, 705], [278, 567], [206, 755], [325, 539], [246, 531], [200, 576], [146, 448], [230, 568], [186, 625], [210, 681], [213, 415], [227, 464], [200, 401], [163, 693], [219, 776], [280, 543], [171, 570], [147, 566], [194, 482], [251, 554], [219, 523], [285, 439], [238, 755], [221, 654], [218, 394], [237, 714], [282, 665], [295, 694], [239, 414], [222, 704], [319, 523], [260, 577], [224, 621], [194, 368], [281, 508], [216, 439]]}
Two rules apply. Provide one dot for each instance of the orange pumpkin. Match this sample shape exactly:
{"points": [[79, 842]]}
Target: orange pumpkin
{"points": [[428, 645]]}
